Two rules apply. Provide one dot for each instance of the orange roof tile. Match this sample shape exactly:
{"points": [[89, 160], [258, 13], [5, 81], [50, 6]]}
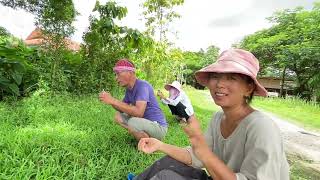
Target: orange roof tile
{"points": [[36, 38]]}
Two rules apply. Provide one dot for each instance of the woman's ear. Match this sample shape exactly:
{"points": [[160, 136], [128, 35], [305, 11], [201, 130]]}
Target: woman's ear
{"points": [[250, 89]]}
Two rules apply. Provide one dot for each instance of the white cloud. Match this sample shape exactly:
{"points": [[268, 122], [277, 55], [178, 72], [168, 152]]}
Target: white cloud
{"points": [[84, 7], [17, 22]]}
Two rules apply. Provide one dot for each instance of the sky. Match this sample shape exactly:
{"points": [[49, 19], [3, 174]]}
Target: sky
{"points": [[203, 22]]}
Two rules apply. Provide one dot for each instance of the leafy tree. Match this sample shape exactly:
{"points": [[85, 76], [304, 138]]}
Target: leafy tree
{"points": [[193, 63], [105, 42], [153, 62], [54, 18], [210, 56], [159, 14], [4, 32], [291, 45], [16, 70], [197, 60]]}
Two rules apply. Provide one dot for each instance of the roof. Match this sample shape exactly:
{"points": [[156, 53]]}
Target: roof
{"points": [[36, 38]]}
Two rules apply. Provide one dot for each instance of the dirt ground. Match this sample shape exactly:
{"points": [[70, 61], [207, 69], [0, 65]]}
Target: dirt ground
{"points": [[298, 140], [300, 143]]}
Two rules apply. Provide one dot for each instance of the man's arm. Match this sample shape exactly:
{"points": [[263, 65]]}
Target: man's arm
{"points": [[132, 110]]}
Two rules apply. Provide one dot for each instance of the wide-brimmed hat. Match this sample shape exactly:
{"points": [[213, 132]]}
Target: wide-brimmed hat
{"points": [[234, 61], [174, 84]]}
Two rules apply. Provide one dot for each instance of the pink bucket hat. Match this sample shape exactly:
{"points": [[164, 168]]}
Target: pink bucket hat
{"points": [[174, 84], [234, 61], [124, 65]]}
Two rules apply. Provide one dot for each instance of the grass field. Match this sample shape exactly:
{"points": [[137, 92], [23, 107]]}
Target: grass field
{"points": [[71, 137], [302, 113]]}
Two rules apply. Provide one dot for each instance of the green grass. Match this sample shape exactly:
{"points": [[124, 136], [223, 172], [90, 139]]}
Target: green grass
{"points": [[302, 113], [72, 137], [65, 138]]}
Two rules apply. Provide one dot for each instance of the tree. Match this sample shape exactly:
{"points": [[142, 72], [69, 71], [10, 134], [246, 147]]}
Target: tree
{"points": [[105, 42], [4, 32], [291, 45], [16, 70], [210, 56], [159, 14], [54, 18]]}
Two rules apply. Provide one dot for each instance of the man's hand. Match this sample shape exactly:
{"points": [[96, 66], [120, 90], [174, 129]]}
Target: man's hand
{"points": [[106, 97]]}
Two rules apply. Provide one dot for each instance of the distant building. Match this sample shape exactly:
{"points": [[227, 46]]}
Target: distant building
{"points": [[36, 38], [273, 85]]}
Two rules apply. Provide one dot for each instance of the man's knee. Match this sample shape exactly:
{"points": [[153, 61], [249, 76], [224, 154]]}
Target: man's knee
{"points": [[133, 123], [117, 118]]}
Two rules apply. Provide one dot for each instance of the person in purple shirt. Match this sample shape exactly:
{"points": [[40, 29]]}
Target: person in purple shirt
{"points": [[139, 112]]}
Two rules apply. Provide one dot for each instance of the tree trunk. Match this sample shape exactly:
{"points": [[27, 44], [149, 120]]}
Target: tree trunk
{"points": [[282, 94]]}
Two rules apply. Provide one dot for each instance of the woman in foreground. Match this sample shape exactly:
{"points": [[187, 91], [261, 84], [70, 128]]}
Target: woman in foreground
{"points": [[240, 142]]}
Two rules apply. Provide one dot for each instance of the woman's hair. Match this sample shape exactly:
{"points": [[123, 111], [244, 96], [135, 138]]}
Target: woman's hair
{"points": [[248, 80]]}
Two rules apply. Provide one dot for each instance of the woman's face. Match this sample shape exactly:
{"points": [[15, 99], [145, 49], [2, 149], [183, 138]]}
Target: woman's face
{"points": [[229, 89]]}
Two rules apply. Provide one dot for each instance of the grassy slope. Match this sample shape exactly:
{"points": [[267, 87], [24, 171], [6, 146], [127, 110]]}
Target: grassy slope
{"points": [[68, 137]]}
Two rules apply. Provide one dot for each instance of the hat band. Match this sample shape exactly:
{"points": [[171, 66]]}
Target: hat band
{"points": [[123, 68], [245, 66]]}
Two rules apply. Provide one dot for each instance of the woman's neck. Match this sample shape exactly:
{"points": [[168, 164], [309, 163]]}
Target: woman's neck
{"points": [[234, 115], [232, 118]]}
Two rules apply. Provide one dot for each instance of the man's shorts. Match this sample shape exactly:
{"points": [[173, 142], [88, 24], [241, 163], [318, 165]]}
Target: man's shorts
{"points": [[152, 128]]}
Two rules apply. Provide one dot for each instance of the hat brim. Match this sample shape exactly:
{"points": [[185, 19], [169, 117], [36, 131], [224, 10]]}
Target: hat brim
{"points": [[168, 86], [202, 76]]}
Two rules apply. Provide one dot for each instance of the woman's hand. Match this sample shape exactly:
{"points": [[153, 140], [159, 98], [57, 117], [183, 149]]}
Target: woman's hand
{"points": [[196, 138], [160, 94], [149, 145]]}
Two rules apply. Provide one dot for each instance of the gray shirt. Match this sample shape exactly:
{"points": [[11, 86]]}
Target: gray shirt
{"points": [[253, 151]]}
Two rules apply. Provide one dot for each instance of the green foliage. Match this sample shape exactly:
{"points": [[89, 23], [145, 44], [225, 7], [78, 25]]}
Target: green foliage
{"points": [[15, 67], [159, 14], [197, 60], [154, 63], [4, 32], [54, 18], [293, 44], [105, 43], [210, 56], [90, 70], [31, 6]]}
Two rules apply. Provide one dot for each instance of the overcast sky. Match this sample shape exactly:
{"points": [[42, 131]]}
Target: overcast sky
{"points": [[203, 22]]}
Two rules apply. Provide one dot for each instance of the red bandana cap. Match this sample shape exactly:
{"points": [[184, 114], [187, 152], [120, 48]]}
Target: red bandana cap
{"points": [[124, 65]]}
